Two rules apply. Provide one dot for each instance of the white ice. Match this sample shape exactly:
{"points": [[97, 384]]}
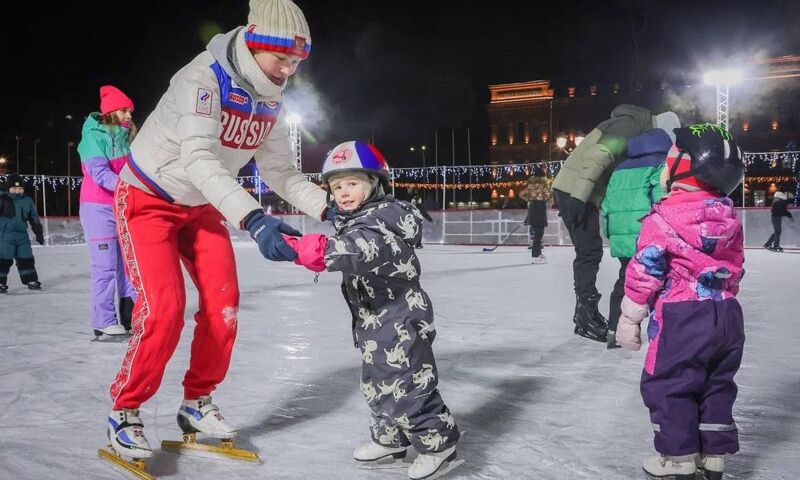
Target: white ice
{"points": [[533, 400]]}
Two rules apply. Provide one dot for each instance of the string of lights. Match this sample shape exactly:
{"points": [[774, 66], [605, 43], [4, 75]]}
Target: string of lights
{"points": [[462, 177]]}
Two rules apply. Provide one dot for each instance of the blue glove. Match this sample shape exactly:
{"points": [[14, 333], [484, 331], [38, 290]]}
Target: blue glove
{"points": [[329, 215], [266, 230]]}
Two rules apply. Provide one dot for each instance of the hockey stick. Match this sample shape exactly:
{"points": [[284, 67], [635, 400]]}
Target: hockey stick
{"points": [[492, 249]]}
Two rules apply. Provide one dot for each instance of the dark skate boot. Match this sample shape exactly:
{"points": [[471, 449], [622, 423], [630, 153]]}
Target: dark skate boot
{"points": [[125, 312], [3, 288], [589, 322], [34, 285]]}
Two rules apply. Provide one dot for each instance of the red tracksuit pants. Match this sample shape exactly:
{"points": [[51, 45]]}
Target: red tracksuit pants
{"points": [[156, 237]]}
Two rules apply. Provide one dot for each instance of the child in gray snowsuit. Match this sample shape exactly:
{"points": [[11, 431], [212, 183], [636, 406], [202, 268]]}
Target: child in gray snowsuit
{"points": [[392, 315]]}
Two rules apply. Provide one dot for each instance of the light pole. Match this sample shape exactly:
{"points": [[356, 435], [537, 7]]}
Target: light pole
{"points": [[422, 151], [295, 140], [17, 159], [70, 144], [723, 79], [36, 169], [294, 137]]}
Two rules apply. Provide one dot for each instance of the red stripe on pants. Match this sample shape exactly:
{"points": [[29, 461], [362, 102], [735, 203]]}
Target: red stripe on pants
{"points": [[156, 237]]}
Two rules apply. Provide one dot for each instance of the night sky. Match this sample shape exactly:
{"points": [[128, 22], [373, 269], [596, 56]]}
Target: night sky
{"points": [[394, 71]]}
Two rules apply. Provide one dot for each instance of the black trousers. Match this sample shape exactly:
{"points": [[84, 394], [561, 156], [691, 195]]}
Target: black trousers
{"points": [[537, 232], [588, 246], [775, 238], [615, 300]]}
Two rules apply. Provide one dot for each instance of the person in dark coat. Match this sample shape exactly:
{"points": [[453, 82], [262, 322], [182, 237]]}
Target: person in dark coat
{"points": [[18, 211], [538, 194], [392, 316], [420, 204], [779, 202]]}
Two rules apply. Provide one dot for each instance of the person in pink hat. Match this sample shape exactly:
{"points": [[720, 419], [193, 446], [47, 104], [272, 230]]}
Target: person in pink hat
{"points": [[105, 143]]}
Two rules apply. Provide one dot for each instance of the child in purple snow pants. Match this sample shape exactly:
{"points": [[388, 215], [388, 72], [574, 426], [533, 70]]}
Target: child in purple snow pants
{"points": [[686, 275]]}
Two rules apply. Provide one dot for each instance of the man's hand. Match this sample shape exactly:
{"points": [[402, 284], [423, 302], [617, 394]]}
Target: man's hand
{"points": [[266, 230]]}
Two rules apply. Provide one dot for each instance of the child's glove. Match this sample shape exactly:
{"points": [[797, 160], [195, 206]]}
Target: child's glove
{"points": [[310, 250], [38, 232], [628, 330]]}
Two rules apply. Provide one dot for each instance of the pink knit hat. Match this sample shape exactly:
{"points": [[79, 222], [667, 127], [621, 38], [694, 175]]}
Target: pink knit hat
{"points": [[112, 99]]}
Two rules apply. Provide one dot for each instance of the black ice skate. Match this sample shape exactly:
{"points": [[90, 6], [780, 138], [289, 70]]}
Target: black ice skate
{"points": [[3, 288], [34, 285], [589, 322]]}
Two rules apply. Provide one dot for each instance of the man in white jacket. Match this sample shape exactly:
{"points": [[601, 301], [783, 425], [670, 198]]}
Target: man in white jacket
{"points": [[177, 187]]}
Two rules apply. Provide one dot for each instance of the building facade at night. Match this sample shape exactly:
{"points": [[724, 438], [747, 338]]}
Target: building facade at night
{"points": [[527, 118]]}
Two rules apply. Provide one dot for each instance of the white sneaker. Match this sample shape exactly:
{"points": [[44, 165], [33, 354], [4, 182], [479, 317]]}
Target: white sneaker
{"points": [[200, 415], [540, 259], [125, 432], [712, 466], [426, 464], [112, 330], [370, 452], [674, 468]]}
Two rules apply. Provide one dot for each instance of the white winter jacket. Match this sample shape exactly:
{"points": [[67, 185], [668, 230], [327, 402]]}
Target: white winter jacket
{"points": [[216, 115]]}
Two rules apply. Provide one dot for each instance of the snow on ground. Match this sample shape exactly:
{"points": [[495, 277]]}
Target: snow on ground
{"points": [[533, 400]]}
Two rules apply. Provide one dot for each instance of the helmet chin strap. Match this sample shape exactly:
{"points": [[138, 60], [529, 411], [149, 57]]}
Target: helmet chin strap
{"points": [[672, 176]]}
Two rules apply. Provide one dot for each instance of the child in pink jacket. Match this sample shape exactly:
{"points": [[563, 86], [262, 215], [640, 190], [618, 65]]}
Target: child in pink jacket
{"points": [[685, 276]]}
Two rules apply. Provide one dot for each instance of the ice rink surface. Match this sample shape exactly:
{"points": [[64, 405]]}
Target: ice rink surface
{"points": [[533, 400]]}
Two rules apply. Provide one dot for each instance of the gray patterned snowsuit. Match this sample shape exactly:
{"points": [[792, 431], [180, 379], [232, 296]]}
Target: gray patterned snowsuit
{"points": [[392, 324]]}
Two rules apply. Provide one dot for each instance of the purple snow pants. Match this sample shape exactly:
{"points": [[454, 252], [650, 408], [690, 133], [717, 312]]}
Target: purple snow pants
{"points": [[107, 265], [691, 392]]}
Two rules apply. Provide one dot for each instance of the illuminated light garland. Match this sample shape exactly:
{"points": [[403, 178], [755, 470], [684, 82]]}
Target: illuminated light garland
{"points": [[451, 176], [460, 186], [785, 178]]}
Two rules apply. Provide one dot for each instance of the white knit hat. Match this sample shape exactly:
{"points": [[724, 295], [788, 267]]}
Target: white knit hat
{"points": [[277, 26]]}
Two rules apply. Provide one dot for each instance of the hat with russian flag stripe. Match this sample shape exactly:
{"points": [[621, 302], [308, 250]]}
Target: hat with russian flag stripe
{"points": [[277, 26]]}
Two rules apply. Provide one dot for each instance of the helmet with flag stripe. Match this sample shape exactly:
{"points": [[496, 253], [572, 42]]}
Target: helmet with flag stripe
{"points": [[356, 156]]}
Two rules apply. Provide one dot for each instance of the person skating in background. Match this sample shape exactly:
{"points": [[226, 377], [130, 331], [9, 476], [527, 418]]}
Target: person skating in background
{"points": [[17, 210], [579, 189], [632, 190], [538, 194], [104, 146], [177, 188], [779, 203], [418, 202], [392, 316], [686, 275]]}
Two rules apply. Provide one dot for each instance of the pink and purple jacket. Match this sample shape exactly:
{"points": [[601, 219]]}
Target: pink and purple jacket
{"points": [[103, 150], [690, 249]]}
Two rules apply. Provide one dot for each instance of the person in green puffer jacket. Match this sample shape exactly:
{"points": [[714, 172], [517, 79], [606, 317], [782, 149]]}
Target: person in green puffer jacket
{"points": [[579, 189], [632, 190], [16, 212]]}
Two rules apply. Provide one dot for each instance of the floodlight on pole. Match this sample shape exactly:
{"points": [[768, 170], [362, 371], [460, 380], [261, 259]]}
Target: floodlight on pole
{"points": [[561, 141], [723, 79]]}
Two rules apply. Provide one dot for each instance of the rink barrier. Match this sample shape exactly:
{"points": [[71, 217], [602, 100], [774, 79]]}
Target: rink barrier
{"points": [[466, 227]]}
